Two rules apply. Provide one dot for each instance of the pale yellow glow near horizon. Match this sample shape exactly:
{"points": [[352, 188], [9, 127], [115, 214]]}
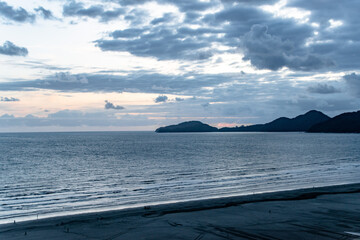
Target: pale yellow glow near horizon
{"points": [[43, 102]]}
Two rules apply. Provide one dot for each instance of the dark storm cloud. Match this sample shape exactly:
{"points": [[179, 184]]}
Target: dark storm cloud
{"points": [[161, 98], [345, 53], [111, 14], [268, 42], [164, 38], [8, 48], [17, 15], [250, 2], [165, 42], [237, 20], [9, 99], [77, 9], [266, 51], [183, 5], [136, 17], [323, 89], [130, 2], [239, 14], [191, 17], [127, 33], [322, 10], [191, 5], [340, 43], [66, 77], [46, 14], [167, 17], [109, 105], [353, 81], [162, 43]]}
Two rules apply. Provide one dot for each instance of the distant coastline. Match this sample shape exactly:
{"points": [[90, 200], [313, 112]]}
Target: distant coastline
{"points": [[312, 121]]}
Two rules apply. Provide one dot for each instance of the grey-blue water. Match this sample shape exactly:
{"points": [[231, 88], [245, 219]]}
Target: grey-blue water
{"points": [[54, 174]]}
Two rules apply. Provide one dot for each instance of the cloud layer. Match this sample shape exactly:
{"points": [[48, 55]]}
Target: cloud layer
{"points": [[17, 15], [9, 99], [8, 48], [353, 81], [77, 9], [323, 89], [266, 51], [109, 105], [161, 98]]}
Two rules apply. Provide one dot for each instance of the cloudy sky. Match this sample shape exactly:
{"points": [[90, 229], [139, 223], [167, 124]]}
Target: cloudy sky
{"points": [[138, 64]]}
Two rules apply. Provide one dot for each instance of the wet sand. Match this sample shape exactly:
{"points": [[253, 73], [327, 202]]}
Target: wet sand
{"points": [[316, 213]]}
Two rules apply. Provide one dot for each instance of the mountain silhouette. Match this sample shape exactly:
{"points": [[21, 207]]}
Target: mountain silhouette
{"points": [[191, 126], [343, 123], [301, 123]]}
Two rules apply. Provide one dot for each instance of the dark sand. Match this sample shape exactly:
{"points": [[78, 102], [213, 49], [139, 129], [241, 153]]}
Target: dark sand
{"points": [[316, 213]]}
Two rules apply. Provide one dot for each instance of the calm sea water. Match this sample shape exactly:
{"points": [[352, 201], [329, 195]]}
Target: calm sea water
{"points": [[54, 174]]}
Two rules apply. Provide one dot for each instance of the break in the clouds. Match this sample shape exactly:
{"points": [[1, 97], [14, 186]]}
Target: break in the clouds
{"points": [[9, 99], [9, 48], [110, 105]]}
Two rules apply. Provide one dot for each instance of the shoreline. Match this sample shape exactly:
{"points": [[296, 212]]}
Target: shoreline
{"points": [[184, 209], [203, 203]]}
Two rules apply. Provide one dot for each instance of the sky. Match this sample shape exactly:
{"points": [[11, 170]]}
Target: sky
{"points": [[118, 65]]}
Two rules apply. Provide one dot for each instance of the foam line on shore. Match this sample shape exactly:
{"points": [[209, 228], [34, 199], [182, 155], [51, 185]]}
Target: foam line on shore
{"points": [[192, 206]]}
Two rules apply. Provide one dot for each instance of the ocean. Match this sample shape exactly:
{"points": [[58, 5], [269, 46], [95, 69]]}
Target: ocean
{"points": [[54, 174]]}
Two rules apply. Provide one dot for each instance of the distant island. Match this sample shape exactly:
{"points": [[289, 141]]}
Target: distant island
{"points": [[301, 123], [312, 121], [192, 126], [343, 123]]}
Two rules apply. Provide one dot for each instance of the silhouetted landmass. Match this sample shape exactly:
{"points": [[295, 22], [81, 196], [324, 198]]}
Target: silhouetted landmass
{"points": [[312, 121], [301, 123], [343, 123], [192, 126]]}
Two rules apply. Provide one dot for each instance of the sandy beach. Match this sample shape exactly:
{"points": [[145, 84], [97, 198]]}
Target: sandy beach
{"points": [[315, 213]]}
